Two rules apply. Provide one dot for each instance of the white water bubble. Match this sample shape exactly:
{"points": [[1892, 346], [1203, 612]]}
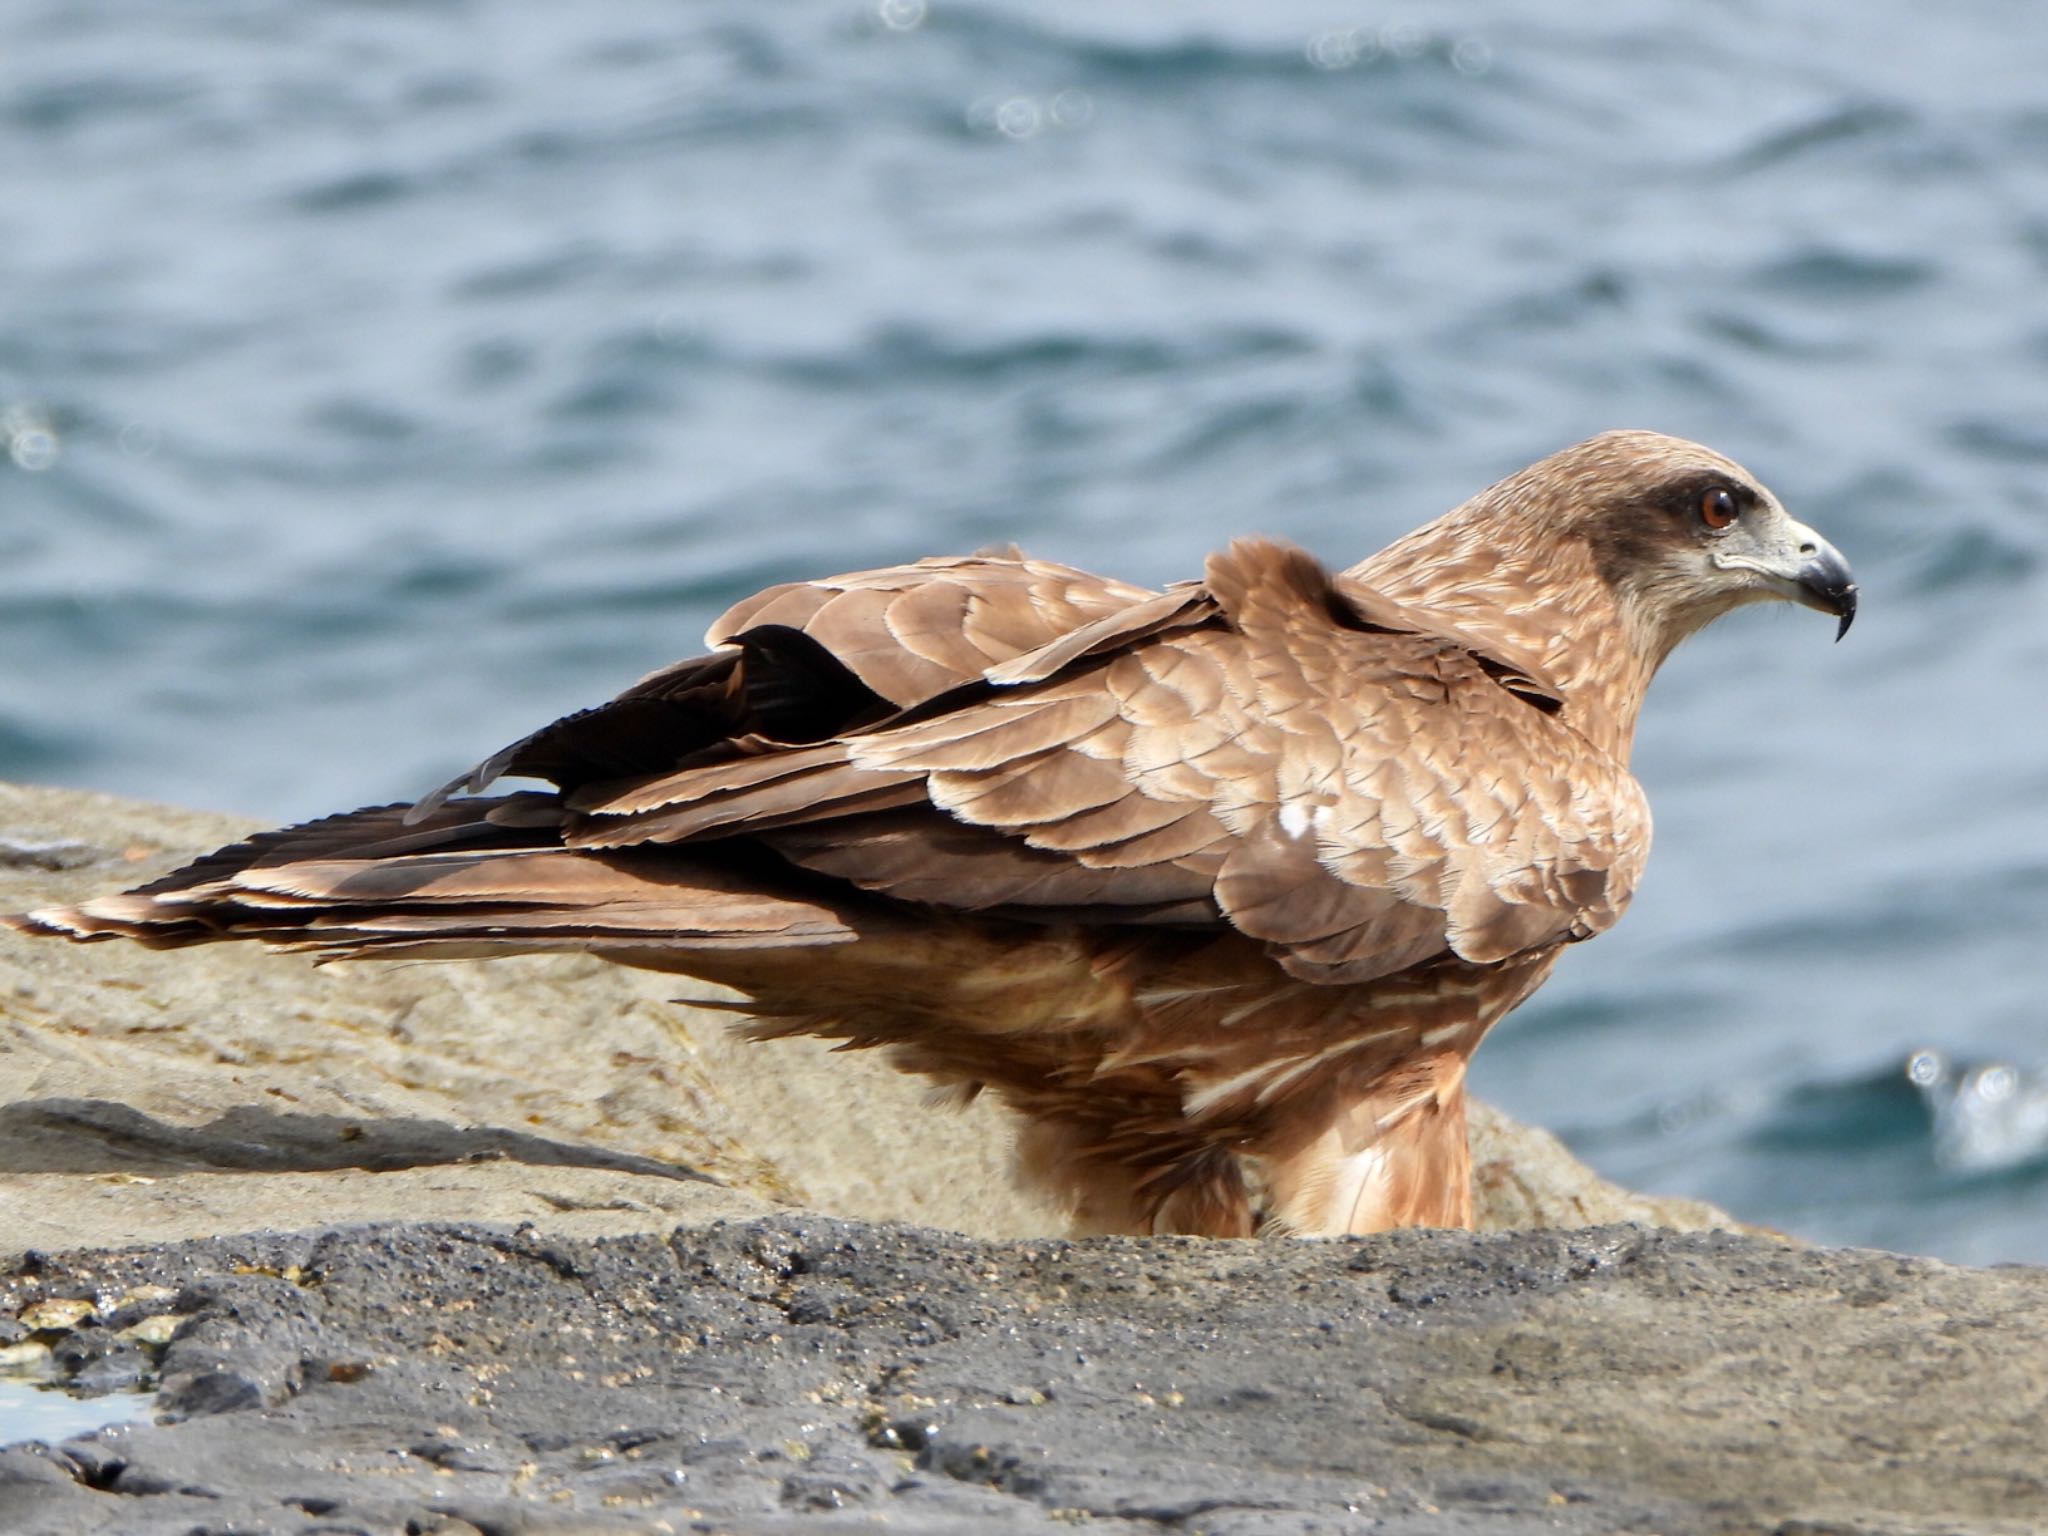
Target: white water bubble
{"points": [[1471, 56], [1989, 1116], [1333, 50], [138, 439], [32, 443], [1996, 1083], [34, 450], [1072, 108], [1020, 117], [901, 15], [1926, 1068]]}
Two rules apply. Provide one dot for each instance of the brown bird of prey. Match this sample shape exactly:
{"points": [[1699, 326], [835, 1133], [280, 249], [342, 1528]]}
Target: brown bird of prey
{"points": [[1217, 887]]}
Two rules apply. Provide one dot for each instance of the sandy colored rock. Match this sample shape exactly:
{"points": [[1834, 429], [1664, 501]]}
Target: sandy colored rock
{"points": [[251, 1086], [48, 1211], [1522, 1176]]}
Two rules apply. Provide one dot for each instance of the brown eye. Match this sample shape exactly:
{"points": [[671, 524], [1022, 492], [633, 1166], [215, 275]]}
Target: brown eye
{"points": [[1717, 508]]}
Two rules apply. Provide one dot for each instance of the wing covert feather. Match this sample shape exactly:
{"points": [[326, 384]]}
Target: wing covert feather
{"points": [[1364, 796], [910, 632], [1276, 748]]}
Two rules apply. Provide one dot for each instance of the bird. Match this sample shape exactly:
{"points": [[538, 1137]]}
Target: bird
{"points": [[1217, 886]]}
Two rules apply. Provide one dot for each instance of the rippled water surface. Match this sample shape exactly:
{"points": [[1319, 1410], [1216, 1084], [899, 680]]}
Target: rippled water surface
{"points": [[380, 380]]}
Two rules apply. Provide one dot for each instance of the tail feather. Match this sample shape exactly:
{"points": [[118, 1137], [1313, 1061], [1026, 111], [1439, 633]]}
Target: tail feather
{"points": [[376, 832], [474, 877]]}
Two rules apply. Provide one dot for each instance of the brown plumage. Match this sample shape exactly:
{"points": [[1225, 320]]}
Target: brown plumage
{"points": [[1218, 887]]}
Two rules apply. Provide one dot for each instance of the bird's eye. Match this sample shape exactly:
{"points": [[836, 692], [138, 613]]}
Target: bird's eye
{"points": [[1717, 508]]}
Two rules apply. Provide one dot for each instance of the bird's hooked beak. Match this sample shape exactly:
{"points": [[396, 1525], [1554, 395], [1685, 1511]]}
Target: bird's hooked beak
{"points": [[1791, 561], [1826, 582]]}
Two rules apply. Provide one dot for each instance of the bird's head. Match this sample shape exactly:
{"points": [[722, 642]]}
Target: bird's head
{"points": [[1681, 534], [1595, 562]]}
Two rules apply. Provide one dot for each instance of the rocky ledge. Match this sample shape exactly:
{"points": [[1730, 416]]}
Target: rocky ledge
{"points": [[794, 1372], [525, 1247]]}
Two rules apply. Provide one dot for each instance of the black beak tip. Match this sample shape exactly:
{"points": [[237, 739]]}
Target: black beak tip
{"points": [[1845, 605]]}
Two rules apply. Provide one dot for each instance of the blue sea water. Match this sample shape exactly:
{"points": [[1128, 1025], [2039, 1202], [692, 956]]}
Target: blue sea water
{"points": [[378, 380]]}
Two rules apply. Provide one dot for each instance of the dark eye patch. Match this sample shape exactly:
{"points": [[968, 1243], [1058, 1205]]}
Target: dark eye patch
{"points": [[1682, 496]]}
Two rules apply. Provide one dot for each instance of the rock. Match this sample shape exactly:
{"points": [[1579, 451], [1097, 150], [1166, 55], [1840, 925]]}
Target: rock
{"points": [[762, 1374], [1522, 1176], [152, 1096], [152, 1332], [116, 1371], [65, 853], [26, 1471], [55, 1314], [31, 1359]]}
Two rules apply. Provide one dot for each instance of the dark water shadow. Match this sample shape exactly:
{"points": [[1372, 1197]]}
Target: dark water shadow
{"points": [[101, 1136]]}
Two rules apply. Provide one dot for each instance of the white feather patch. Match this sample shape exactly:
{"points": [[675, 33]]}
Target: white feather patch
{"points": [[1358, 1190]]}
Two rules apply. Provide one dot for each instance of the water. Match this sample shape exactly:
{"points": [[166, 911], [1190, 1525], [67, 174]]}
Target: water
{"points": [[383, 379], [30, 1412]]}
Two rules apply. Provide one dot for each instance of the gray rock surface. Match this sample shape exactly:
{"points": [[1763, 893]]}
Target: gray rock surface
{"points": [[798, 1372], [148, 1097]]}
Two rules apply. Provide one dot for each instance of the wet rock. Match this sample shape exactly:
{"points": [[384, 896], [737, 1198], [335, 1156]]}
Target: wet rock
{"points": [[51, 854], [215, 1388], [152, 1332], [120, 1370], [1596, 1381], [28, 1359], [56, 1314], [220, 1361], [26, 1472]]}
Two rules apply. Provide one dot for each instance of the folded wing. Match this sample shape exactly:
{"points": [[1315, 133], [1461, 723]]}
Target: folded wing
{"points": [[1276, 749]]}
